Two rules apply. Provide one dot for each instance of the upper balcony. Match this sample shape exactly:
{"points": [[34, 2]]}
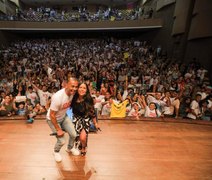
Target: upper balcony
{"points": [[82, 26]]}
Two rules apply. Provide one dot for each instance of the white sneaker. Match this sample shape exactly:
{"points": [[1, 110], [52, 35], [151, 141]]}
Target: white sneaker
{"points": [[74, 151], [57, 157]]}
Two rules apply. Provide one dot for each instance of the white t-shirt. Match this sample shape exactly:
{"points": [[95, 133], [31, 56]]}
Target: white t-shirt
{"points": [[106, 109], [122, 78], [209, 103], [49, 72], [194, 106], [151, 113], [60, 102], [134, 78], [32, 96], [99, 100], [43, 97], [154, 100], [203, 94], [134, 113]]}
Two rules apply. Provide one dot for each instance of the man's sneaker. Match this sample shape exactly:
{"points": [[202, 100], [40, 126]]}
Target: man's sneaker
{"points": [[57, 157], [74, 151]]}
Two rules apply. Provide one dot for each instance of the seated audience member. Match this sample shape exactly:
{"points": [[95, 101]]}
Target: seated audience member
{"points": [[7, 107], [172, 104], [209, 100], [21, 109], [30, 114], [2, 96], [30, 94], [43, 94], [157, 99], [151, 109], [136, 110], [19, 99], [19, 88], [195, 111], [203, 92], [106, 106], [185, 107], [99, 99], [206, 112], [38, 109], [167, 109]]}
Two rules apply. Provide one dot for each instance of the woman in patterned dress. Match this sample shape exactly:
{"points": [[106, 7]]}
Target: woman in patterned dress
{"points": [[83, 113]]}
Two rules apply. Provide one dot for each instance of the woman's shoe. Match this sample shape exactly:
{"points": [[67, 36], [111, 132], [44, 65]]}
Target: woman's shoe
{"points": [[83, 153]]}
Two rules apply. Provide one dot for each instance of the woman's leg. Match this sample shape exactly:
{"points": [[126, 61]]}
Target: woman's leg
{"points": [[83, 140]]}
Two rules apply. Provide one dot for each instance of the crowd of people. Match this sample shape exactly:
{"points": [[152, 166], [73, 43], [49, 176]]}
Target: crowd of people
{"points": [[47, 14], [124, 77]]}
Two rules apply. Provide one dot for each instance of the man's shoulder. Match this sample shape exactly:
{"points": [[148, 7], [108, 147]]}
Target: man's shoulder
{"points": [[60, 92]]}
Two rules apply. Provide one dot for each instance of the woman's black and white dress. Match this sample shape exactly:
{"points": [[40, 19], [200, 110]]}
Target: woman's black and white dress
{"points": [[81, 119]]}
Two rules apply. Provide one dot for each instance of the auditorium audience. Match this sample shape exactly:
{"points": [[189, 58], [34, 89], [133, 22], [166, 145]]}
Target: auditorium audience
{"points": [[80, 13], [113, 69]]}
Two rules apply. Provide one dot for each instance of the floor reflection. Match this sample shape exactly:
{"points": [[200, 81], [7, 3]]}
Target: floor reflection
{"points": [[79, 170]]}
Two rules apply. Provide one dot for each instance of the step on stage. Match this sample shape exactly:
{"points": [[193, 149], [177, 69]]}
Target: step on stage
{"points": [[124, 149]]}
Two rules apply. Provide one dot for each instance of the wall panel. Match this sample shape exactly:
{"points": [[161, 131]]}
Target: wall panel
{"points": [[163, 3], [201, 25], [180, 16]]}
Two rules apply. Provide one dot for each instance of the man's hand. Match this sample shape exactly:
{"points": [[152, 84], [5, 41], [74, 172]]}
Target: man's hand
{"points": [[60, 133]]}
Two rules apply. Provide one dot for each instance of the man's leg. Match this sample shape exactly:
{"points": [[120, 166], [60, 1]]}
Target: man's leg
{"points": [[68, 126], [60, 140], [58, 145]]}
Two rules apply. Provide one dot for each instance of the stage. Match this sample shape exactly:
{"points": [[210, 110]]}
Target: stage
{"points": [[124, 149]]}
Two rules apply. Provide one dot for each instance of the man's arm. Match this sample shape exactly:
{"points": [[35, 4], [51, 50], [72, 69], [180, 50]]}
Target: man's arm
{"points": [[35, 87], [60, 132]]}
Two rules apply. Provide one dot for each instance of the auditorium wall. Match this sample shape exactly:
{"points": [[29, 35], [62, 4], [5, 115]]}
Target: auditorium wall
{"points": [[201, 25], [2, 7], [180, 17], [201, 50], [10, 7], [162, 36], [186, 31], [7, 37]]}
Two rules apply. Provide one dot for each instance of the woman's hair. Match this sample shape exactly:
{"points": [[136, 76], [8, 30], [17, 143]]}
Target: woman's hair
{"points": [[87, 101]]}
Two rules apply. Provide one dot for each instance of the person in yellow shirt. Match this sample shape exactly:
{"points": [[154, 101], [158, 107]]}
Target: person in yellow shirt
{"points": [[118, 110]]}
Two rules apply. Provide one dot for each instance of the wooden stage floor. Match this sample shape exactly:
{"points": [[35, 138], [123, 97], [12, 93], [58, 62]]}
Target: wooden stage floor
{"points": [[124, 149]]}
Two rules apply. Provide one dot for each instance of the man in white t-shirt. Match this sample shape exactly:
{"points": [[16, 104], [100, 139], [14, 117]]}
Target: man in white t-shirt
{"points": [[43, 94], [195, 108], [106, 105], [99, 99], [58, 120], [30, 94]]}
